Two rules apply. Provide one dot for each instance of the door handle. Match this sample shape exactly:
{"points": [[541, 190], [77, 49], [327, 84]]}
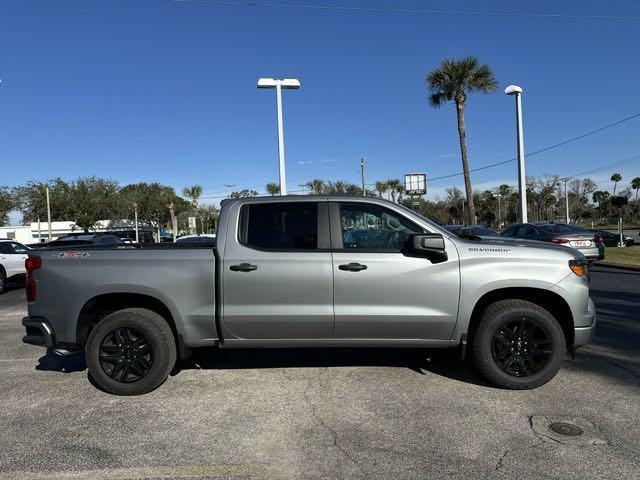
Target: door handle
{"points": [[352, 267], [243, 267]]}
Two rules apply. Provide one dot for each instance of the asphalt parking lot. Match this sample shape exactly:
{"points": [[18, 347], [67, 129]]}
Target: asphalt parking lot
{"points": [[324, 413]]}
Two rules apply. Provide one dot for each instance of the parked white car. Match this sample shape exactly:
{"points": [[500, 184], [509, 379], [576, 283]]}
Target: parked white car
{"points": [[12, 257]]}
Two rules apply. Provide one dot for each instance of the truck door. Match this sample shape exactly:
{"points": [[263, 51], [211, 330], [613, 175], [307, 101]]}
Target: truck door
{"points": [[277, 272], [381, 292]]}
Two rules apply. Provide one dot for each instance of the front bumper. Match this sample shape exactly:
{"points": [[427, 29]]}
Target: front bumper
{"points": [[583, 335], [38, 332]]}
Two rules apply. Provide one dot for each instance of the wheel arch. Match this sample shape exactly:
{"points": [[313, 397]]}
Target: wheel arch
{"points": [[550, 301], [99, 306]]}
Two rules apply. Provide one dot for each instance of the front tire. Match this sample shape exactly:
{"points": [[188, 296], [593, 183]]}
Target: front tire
{"points": [[518, 345], [130, 352], [3, 281]]}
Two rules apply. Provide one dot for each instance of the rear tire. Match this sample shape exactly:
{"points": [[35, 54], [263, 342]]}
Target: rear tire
{"points": [[130, 352], [518, 345], [3, 281]]}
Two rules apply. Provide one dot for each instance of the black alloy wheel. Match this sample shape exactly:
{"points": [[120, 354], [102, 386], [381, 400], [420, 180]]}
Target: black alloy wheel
{"points": [[125, 355], [521, 347]]}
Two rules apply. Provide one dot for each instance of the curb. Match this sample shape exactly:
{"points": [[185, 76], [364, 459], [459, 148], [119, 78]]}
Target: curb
{"points": [[619, 266]]}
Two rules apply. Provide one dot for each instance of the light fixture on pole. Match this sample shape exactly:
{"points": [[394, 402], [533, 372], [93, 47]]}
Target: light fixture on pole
{"points": [[290, 84], [522, 181]]}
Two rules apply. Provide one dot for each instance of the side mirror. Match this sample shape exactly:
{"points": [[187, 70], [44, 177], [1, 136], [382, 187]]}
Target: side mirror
{"points": [[428, 244]]}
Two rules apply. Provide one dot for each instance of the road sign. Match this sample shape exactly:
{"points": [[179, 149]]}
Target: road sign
{"points": [[415, 184], [192, 222]]}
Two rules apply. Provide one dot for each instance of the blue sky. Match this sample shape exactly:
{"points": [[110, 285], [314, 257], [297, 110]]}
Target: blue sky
{"points": [[160, 90]]}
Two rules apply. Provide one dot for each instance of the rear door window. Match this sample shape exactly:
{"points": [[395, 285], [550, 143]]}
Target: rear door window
{"points": [[280, 226]]}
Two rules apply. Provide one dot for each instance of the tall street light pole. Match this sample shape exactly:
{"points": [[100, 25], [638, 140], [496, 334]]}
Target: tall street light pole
{"points": [[290, 84], [522, 181], [364, 190], [135, 214], [566, 200], [48, 212]]}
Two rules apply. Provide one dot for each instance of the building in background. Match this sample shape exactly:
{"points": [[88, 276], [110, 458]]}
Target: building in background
{"points": [[39, 233]]}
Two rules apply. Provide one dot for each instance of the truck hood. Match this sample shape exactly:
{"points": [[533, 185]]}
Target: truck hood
{"points": [[496, 241]]}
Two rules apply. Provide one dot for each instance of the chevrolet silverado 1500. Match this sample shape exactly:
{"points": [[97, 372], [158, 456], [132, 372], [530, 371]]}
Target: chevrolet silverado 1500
{"points": [[312, 271]]}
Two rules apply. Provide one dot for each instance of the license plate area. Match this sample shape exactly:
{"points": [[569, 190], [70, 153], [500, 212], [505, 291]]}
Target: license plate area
{"points": [[580, 243]]}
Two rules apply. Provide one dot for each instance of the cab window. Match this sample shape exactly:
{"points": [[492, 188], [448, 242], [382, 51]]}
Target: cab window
{"points": [[371, 227]]}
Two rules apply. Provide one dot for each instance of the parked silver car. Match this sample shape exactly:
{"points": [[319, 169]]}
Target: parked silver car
{"points": [[588, 243]]}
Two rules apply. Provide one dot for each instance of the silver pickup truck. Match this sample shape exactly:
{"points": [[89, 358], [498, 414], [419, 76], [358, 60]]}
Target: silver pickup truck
{"points": [[312, 271]]}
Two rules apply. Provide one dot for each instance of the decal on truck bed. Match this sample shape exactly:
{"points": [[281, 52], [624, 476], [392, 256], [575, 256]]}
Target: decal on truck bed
{"points": [[70, 254]]}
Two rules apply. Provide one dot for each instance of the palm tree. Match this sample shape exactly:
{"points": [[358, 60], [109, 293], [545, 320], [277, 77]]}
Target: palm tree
{"points": [[167, 195], [453, 81], [394, 187], [193, 193], [381, 188], [635, 184], [615, 178], [273, 188], [316, 186]]}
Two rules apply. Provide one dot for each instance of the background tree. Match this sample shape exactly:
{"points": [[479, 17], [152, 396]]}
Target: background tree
{"points": [[246, 193], [615, 178], [193, 193], [208, 216], [273, 189], [91, 199], [603, 199], [381, 188], [453, 81], [175, 205], [579, 192], [152, 208], [395, 187], [7, 204], [316, 186], [32, 203]]}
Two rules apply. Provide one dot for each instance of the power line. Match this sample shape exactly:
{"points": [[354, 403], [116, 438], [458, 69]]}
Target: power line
{"points": [[604, 167], [216, 195], [409, 10], [545, 149]]}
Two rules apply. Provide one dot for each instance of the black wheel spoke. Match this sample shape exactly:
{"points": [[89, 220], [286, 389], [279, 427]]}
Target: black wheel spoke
{"points": [[521, 347], [125, 355], [500, 337], [116, 369]]}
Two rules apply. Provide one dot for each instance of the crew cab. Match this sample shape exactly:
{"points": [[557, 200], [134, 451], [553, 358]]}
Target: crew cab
{"points": [[312, 271]]}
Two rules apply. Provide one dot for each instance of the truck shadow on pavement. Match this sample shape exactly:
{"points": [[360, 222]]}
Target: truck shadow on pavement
{"points": [[71, 363], [439, 362], [420, 361]]}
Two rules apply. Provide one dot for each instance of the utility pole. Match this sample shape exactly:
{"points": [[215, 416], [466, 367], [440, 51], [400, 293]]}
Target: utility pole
{"points": [[39, 232], [566, 200], [48, 211], [135, 215], [364, 191]]}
